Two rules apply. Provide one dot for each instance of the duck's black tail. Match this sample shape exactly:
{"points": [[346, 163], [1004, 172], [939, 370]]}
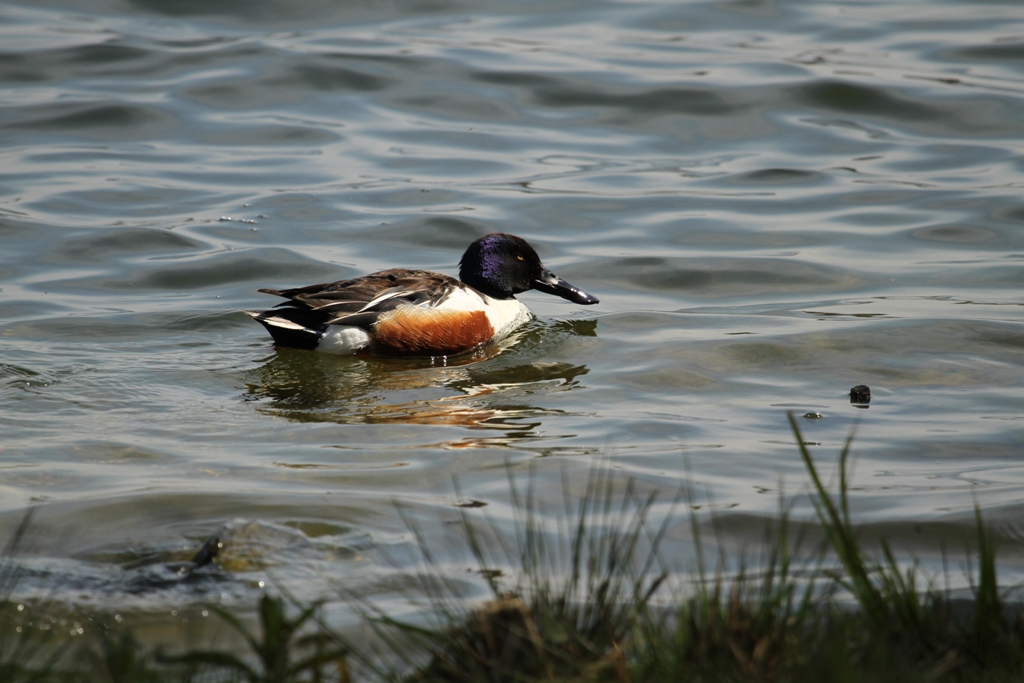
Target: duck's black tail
{"points": [[292, 327]]}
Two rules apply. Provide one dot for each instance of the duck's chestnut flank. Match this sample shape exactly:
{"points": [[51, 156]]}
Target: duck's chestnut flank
{"points": [[418, 312], [417, 330]]}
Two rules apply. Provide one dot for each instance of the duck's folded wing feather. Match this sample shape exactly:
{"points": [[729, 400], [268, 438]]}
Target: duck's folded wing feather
{"points": [[360, 301]]}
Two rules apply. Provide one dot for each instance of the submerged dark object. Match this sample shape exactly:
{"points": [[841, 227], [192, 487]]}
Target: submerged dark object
{"points": [[860, 394], [248, 544]]}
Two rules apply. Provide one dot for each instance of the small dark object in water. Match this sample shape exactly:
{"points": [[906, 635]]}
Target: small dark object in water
{"points": [[208, 553], [813, 415], [860, 394]]}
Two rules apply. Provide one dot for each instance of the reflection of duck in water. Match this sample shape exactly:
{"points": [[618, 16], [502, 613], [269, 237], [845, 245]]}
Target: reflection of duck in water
{"points": [[417, 311], [509, 399]]}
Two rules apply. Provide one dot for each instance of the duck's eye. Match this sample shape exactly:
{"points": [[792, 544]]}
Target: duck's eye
{"points": [[519, 257]]}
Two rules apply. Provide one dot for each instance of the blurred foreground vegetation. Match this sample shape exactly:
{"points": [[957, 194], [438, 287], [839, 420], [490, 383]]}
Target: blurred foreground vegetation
{"points": [[605, 614]]}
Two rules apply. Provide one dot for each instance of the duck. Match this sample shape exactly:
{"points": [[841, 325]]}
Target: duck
{"points": [[418, 312]]}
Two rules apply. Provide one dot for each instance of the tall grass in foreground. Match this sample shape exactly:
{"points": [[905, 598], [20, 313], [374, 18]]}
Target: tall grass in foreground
{"points": [[590, 617], [571, 611], [598, 606], [29, 650]]}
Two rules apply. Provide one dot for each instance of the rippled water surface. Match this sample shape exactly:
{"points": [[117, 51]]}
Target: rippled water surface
{"points": [[775, 202]]}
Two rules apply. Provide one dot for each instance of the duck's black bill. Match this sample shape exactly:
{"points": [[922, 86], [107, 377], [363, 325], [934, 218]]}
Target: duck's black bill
{"points": [[550, 283]]}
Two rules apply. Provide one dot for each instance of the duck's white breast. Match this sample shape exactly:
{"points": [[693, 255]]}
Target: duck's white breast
{"points": [[504, 315]]}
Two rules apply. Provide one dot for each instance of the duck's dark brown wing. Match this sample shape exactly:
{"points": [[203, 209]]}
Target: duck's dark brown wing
{"points": [[302, 320]]}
